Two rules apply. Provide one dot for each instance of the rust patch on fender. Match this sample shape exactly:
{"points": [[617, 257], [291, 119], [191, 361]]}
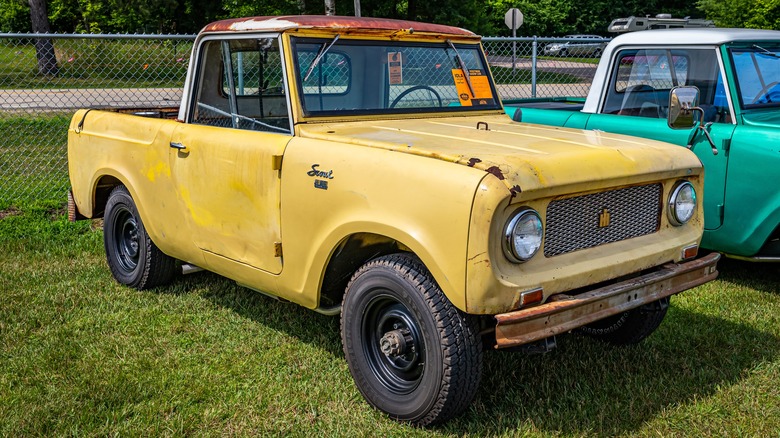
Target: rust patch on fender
{"points": [[473, 161], [496, 171]]}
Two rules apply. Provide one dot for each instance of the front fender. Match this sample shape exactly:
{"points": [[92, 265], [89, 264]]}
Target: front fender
{"points": [[421, 202]]}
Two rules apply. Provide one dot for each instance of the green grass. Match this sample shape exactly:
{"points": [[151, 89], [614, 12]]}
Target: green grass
{"points": [[580, 59], [81, 355], [33, 157], [505, 75], [87, 63]]}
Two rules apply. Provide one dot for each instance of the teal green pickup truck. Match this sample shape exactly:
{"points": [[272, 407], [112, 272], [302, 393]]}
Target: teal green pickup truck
{"points": [[716, 91]]}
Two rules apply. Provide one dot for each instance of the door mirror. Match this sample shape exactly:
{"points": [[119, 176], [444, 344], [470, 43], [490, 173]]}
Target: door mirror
{"points": [[683, 103]]}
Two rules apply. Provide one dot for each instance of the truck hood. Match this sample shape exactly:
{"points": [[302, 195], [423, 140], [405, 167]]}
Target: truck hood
{"points": [[525, 157]]}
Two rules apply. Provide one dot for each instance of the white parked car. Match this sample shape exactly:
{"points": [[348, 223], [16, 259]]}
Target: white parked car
{"points": [[577, 45]]}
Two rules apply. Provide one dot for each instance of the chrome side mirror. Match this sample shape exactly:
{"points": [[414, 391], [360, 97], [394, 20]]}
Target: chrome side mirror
{"points": [[683, 103]]}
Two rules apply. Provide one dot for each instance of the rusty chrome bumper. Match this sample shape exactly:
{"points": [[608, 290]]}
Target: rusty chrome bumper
{"points": [[566, 312]]}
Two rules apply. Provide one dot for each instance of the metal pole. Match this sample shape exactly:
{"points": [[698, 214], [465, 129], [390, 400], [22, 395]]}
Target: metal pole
{"points": [[514, 42], [357, 8], [534, 46]]}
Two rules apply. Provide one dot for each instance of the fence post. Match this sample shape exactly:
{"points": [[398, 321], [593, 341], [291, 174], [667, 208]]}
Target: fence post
{"points": [[534, 46]]}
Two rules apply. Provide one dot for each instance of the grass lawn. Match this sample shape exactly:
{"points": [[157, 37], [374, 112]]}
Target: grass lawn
{"points": [[33, 156], [81, 355], [93, 63], [505, 75]]}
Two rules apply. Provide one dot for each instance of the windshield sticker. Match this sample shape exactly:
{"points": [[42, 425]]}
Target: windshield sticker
{"points": [[395, 68], [483, 95]]}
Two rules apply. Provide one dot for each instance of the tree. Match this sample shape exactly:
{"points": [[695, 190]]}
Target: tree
{"points": [[755, 14], [44, 48]]}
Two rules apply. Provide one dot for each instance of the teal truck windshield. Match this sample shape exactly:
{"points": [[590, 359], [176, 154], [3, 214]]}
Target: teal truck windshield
{"points": [[757, 71], [341, 76]]}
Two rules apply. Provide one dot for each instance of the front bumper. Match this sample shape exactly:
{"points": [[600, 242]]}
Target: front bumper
{"points": [[562, 312]]}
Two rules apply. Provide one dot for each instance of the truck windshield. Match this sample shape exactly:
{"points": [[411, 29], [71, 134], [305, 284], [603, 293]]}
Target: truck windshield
{"points": [[757, 71], [355, 77]]}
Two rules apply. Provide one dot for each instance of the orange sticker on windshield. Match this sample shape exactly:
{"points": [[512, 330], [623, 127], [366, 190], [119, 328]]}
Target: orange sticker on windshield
{"points": [[482, 93], [395, 68]]}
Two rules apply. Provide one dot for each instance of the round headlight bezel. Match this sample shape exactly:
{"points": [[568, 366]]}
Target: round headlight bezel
{"points": [[674, 214], [510, 250]]}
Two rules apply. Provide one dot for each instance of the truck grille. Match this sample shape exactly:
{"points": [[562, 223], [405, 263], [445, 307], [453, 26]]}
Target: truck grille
{"points": [[579, 222]]}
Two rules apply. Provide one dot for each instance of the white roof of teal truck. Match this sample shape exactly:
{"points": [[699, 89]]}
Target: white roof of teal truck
{"points": [[667, 38]]}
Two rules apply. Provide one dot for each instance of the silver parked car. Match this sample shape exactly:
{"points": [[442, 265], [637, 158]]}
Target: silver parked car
{"points": [[577, 45]]}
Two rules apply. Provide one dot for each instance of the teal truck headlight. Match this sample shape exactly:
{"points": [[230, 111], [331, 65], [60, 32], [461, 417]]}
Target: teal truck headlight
{"points": [[682, 203], [523, 235]]}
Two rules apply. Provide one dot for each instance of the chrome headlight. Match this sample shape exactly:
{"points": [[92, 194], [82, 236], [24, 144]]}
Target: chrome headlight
{"points": [[523, 235], [682, 203]]}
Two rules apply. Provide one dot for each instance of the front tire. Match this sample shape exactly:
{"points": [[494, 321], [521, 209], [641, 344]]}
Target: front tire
{"points": [[629, 327], [134, 260], [412, 354]]}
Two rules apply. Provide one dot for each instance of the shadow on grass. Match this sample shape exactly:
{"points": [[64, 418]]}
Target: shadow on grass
{"points": [[584, 386], [761, 276], [298, 322]]}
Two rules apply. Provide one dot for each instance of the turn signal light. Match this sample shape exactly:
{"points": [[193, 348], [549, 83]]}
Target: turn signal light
{"points": [[531, 297], [690, 252]]}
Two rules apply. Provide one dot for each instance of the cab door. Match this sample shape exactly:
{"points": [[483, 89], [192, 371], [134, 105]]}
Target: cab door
{"points": [[637, 101], [226, 159]]}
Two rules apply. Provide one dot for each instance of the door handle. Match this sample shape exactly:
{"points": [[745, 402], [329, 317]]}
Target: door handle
{"points": [[179, 146]]}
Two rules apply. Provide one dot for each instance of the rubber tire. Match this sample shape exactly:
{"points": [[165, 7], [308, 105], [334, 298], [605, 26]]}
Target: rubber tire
{"points": [[134, 260], [563, 53], [449, 345], [629, 327]]}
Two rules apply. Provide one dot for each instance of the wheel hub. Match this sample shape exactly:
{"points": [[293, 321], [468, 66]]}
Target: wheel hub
{"points": [[396, 343]]}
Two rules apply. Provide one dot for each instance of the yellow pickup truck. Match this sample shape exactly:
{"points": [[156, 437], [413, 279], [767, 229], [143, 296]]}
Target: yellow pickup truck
{"points": [[365, 168]]}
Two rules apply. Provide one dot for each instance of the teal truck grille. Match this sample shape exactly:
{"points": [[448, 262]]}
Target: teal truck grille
{"points": [[592, 220]]}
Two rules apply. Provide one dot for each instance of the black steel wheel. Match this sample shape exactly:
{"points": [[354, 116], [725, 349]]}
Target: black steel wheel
{"points": [[134, 260], [629, 327], [412, 354]]}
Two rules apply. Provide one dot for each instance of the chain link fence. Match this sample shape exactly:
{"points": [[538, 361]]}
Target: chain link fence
{"points": [[39, 95]]}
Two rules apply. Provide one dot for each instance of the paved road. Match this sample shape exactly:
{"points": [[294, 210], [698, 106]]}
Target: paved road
{"points": [[72, 99]]}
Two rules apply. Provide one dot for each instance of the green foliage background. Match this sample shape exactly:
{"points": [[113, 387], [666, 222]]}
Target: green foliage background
{"points": [[541, 17]]}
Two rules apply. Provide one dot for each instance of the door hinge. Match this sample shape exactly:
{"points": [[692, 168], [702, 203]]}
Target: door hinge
{"points": [[726, 144], [276, 162], [277, 249]]}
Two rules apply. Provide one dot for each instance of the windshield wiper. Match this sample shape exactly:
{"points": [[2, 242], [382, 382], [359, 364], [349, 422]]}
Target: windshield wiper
{"points": [[766, 52], [463, 67], [323, 50]]}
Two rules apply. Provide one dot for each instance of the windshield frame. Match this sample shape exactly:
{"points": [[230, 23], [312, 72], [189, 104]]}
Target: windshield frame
{"points": [[443, 45]]}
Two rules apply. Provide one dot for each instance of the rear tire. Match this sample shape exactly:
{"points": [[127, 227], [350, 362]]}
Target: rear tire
{"points": [[133, 258], [629, 327], [412, 354]]}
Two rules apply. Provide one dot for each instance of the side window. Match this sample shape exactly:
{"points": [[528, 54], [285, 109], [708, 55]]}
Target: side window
{"points": [[240, 85], [641, 80]]}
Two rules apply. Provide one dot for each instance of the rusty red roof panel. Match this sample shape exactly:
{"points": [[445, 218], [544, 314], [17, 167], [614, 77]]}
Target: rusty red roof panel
{"points": [[279, 23]]}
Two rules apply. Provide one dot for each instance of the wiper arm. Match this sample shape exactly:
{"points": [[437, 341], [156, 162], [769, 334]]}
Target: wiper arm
{"points": [[766, 52], [323, 50], [462, 67]]}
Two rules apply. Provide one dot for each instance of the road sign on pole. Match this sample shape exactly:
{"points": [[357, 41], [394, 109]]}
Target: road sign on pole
{"points": [[513, 20]]}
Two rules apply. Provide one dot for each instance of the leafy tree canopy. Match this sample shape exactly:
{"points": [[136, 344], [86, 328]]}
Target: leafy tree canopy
{"points": [[541, 17]]}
